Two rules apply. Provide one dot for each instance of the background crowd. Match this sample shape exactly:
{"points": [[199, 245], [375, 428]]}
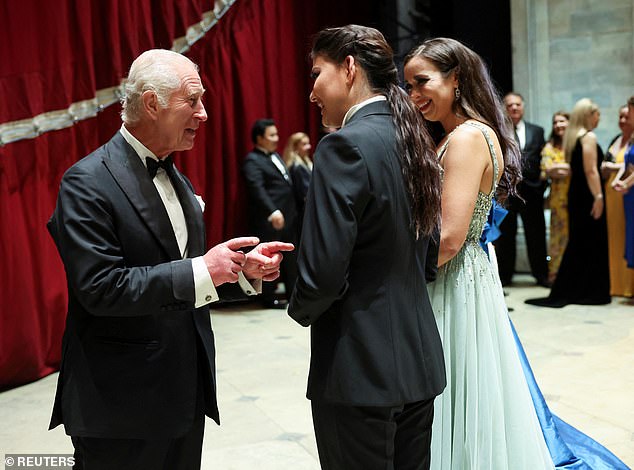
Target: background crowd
{"points": [[581, 191]]}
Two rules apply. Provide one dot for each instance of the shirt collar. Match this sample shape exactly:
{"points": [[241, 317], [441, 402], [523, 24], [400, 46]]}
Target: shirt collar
{"points": [[263, 150], [520, 126], [141, 150], [358, 106]]}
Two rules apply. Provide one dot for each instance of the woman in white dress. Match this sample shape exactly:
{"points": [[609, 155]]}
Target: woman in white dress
{"points": [[485, 419]]}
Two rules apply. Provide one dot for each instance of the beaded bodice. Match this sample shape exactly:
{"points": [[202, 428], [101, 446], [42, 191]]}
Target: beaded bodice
{"points": [[483, 201]]}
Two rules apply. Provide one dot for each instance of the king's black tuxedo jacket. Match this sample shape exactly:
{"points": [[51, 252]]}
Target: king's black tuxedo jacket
{"points": [[361, 282], [134, 342]]}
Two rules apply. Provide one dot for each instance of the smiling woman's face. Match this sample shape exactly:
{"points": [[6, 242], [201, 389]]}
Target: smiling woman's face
{"points": [[330, 90], [430, 91], [560, 123], [624, 118]]}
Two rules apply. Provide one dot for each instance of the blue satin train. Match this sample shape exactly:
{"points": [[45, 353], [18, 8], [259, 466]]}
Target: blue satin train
{"points": [[569, 448]]}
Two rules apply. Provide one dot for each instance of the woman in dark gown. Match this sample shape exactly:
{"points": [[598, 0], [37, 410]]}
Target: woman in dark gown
{"points": [[583, 276]]}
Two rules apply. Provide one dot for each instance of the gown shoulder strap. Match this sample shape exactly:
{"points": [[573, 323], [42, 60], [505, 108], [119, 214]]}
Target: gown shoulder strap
{"points": [[487, 136]]}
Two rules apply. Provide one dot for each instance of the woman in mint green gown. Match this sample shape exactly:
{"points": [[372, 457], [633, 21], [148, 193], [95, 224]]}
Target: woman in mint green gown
{"points": [[487, 417]]}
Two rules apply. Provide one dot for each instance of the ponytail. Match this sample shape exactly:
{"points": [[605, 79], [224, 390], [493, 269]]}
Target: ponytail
{"points": [[421, 170], [420, 167]]}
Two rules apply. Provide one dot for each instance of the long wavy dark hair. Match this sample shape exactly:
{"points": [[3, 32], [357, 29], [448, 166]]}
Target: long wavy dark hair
{"points": [[479, 100], [421, 171]]}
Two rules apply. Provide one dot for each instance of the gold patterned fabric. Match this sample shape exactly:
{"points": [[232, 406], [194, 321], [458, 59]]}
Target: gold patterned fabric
{"points": [[621, 277], [558, 202]]}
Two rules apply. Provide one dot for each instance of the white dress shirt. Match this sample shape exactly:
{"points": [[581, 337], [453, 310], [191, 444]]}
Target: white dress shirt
{"points": [[203, 284], [520, 130]]}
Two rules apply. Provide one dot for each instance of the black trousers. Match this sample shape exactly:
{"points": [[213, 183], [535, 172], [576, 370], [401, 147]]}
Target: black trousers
{"points": [[183, 453], [532, 213], [180, 453], [372, 437]]}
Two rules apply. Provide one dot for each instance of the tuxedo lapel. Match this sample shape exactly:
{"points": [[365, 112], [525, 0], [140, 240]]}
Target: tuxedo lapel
{"points": [[193, 215], [528, 129], [281, 161], [133, 179], [268, 162]]}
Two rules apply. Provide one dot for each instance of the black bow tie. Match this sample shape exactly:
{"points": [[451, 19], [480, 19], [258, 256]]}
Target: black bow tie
{"points": [[153, 165]]}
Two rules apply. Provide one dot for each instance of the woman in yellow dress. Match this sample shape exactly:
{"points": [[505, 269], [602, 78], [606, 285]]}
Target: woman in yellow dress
{"points": [[621, 277], [557, 171]]}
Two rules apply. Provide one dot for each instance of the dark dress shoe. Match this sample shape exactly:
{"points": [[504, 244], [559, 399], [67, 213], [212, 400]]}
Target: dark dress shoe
{"points": [[277, 303]]}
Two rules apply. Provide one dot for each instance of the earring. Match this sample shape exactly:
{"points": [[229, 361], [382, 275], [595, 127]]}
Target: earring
{"points": [[457, 93]]}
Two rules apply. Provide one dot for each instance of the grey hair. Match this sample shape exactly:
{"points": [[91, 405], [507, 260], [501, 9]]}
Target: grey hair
{"points": [[154, 71]]}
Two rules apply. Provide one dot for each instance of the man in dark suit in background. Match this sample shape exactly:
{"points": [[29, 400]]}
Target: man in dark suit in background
{"points": [[137, 375], [531, 141], [376, 356], [272, 205]]}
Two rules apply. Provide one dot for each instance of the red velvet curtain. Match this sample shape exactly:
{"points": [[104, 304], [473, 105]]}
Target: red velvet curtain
{"points": [[253, 64]]}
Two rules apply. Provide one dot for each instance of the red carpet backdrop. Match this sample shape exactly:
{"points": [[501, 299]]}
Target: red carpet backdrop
{"points": [[253, 63]]}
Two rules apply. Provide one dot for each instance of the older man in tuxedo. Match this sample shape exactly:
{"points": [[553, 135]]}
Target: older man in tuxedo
{"points": [[137, 375], [531, 141]]}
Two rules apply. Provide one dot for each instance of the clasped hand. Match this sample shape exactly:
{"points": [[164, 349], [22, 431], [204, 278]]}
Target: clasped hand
{"points": [[559, 171], [277, 220], [620, 186], [225, 260]]}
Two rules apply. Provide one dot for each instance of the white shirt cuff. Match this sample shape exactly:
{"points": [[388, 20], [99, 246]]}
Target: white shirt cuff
{"points": [[275, 212], [203, 285], [250, 288]]}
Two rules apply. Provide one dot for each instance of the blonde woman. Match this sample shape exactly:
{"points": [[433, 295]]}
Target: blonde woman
{"points": [[557, 170], [583, 276], [300, 167], [298, 161]]}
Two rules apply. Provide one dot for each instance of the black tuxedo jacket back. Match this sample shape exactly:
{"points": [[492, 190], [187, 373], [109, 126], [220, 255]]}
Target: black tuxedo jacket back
{"points": [[361, 282], [134, 345], [268, 191]]}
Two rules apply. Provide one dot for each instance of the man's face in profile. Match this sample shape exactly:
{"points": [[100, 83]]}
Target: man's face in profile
{"points": [[269, 140]]}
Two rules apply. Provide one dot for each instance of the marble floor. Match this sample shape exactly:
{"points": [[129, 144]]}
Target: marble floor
{"points": [[583, 358]]}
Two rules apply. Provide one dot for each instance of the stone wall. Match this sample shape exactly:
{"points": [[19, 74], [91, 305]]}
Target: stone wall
{"points": [[564, 50]]}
